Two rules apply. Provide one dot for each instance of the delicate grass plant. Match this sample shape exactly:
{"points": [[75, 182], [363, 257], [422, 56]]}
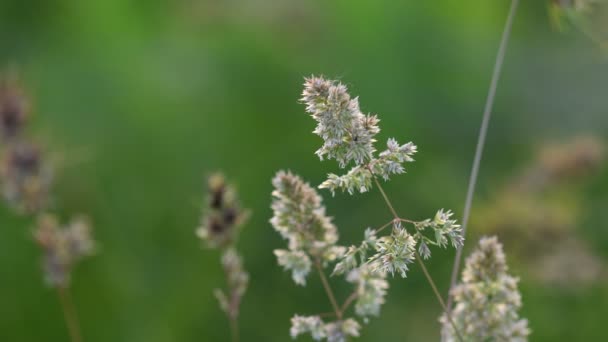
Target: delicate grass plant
{"points": [[220, 225], [299, 216], [26, 177], [487, 300]]}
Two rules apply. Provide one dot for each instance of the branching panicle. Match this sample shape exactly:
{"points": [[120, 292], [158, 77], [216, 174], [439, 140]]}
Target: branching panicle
{"points": [[299, 216], [394, 252]]}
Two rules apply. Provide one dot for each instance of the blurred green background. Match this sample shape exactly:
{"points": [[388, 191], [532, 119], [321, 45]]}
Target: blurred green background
{"points": [[143, 99]]}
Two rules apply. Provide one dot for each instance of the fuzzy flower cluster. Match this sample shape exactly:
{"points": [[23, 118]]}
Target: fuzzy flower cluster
{"points": [[337, 331], [221, 221], [393, 253], [487, 301], [223, 214], [63, 247], [445, 229], [348, 137], [370, 289], [237, 281], [299, 216], [25, 175]]}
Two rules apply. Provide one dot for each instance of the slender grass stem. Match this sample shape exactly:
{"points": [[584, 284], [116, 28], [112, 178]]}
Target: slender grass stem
{"points": [[381, 228], [234, 328], [481, 141], [438, 295], [328, 290], [69, 314], [349, 301], [388, 202]]}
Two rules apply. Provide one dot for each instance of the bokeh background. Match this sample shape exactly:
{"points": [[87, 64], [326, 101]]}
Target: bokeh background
{"points": [[143, 99]]}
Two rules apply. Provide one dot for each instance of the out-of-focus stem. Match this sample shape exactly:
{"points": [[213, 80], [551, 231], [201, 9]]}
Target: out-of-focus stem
{"points": [[500, 56], [69, 313]]}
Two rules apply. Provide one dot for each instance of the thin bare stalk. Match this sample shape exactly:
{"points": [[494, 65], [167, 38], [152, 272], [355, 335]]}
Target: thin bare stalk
{"points": [[234, 328], [381, 228], [349, 301], [500, 56], [69, 314], [438, 295], [328, 290], [388, 202], [424, 270]]}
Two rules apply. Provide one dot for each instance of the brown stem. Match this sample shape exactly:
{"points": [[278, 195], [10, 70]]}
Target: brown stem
{"points": [[438, 295], [328, 290], [69, 313], [388, 202], [234, 328], [378, 230], [349, 301]]}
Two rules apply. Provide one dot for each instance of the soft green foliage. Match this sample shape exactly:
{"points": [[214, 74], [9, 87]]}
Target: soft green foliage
{"points": [[487, 301]]}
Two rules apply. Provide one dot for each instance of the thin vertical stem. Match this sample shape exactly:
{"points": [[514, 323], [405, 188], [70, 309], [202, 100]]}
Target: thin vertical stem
{"points": [[328, 290], [69, 313], [500, 56]]}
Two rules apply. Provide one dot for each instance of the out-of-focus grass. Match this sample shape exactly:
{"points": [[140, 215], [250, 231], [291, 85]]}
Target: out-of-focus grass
{"points": [[149, 98]]}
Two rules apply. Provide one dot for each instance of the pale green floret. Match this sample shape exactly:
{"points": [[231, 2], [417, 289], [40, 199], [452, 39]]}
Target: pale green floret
{"points": [[348, 136], [370, 288], [394, 252], [312, 325], [337, 331], [295, 261]]}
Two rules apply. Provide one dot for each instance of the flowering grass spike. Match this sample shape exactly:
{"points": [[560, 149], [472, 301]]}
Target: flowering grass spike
{"points": [[222, 219], [63, 248], [348, 137], [299, 216], [487, 301]]}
